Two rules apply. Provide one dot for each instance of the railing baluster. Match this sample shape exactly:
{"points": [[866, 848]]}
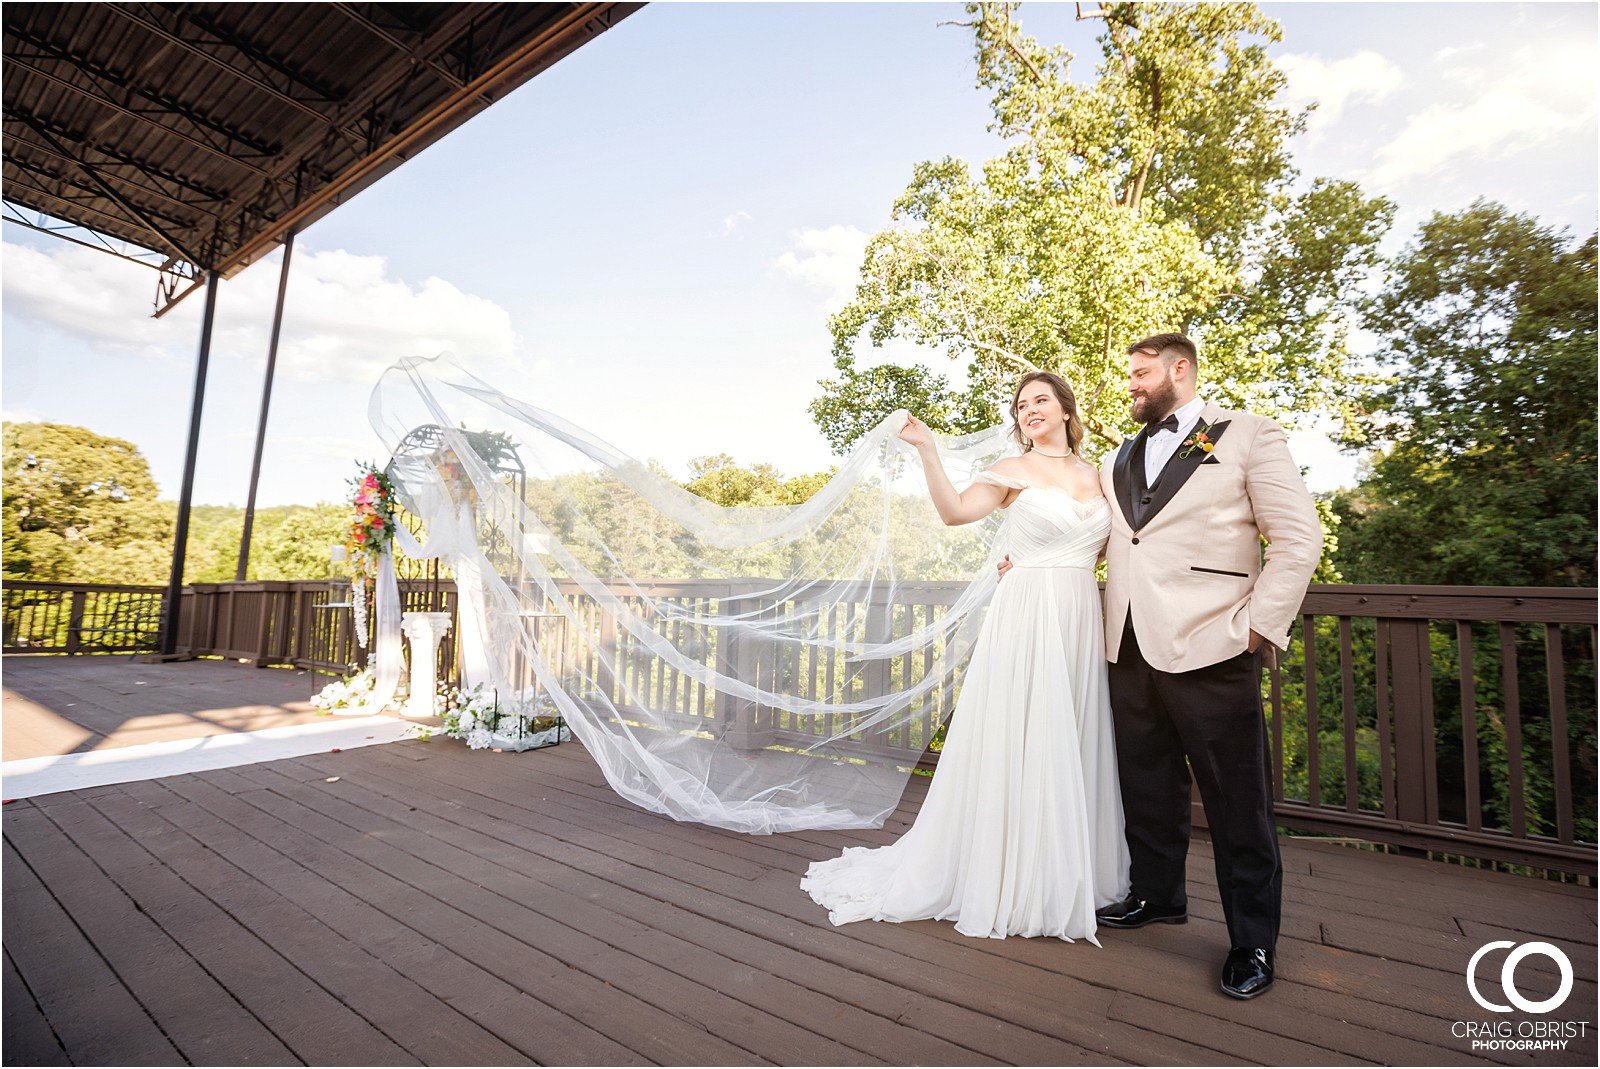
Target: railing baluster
{"points": [[1469, 728], [1347, 682], [1513, 724], [1380, 659], [1308, 640], [1555, 670], [75, 622]]}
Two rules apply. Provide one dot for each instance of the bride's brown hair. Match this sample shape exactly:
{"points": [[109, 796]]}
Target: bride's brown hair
{"points": [[1069, 405]]}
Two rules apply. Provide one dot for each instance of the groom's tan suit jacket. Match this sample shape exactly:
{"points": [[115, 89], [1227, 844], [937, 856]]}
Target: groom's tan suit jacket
{"points": [[1185, 556]]}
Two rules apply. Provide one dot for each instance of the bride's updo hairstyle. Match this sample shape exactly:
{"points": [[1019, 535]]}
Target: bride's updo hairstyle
{"points": [[1069, 405]]}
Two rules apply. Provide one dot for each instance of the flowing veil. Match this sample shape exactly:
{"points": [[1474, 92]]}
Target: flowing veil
{"points": [[758, 668]]}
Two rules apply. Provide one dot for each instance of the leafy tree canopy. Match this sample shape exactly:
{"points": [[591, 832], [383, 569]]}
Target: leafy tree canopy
{"points": [[1485, 428], [1158, 196], [76, 502]]}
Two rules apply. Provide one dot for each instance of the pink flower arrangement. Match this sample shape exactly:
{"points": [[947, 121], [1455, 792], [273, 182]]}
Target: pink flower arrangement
{"points": [[372, 525]]}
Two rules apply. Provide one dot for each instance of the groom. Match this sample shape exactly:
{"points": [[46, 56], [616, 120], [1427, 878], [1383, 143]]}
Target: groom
{"points": [[1191, 613]]}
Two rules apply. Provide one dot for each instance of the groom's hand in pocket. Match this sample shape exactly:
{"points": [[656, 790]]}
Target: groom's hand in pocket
{"points": [[1004, 566], [1259, 641]]}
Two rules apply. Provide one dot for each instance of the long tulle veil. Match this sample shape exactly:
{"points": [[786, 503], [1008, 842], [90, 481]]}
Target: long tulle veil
{"points": [[759, 668]]}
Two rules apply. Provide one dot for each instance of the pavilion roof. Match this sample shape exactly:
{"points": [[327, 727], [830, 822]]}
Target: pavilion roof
{"points": [[193, 137]]}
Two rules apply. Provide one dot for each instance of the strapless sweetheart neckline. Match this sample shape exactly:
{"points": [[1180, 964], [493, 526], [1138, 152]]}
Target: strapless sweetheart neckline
{"points": [[1070, 496]]}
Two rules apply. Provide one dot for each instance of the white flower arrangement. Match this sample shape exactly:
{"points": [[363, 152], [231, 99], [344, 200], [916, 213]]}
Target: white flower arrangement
{"points": [[345, 693], [486, 720]]}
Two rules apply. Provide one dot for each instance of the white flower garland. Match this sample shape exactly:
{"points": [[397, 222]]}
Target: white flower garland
{"points": [[358, 608], [345, 693]]}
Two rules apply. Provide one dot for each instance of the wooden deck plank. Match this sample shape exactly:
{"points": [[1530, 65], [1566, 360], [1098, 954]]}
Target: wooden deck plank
{"points": [[373, 976], [1268, 1046], [674, 939], [26, 1036], [201, 1017], [98, 1020], [430, 1000], [389, 979], [58, 705], [583, 936], [1347, 881], [462, 953], [215, 918]]}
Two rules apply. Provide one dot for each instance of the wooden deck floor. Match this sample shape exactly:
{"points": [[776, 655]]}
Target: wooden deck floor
{"points": [[421, 903], [60, 705]]}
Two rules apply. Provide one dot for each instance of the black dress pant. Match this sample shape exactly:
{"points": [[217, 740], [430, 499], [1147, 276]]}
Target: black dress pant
{"points": [[1208, 721]]}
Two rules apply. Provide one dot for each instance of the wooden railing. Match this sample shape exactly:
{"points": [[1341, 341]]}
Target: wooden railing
{"points": [[81, 618], [1366, 710]]}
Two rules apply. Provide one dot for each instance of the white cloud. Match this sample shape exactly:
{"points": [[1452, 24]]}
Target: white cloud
{"points": [[1363, 77], [1450, 51], [1518, 103], [102, 300], [345, 317], [828, 259], [730, 223]]}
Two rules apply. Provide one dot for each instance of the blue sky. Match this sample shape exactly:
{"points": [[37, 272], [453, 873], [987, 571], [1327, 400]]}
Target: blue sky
{"points": [[648, 237]]}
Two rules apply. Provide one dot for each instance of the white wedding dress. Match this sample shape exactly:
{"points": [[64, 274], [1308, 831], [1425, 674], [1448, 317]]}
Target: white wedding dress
{"points": [[1021, 830]]}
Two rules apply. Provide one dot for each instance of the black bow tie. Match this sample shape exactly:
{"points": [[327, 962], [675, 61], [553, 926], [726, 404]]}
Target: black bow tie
{"points": [[1168, 424]]}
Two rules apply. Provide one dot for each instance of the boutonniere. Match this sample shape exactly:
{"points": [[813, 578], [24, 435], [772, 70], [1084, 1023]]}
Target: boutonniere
{"points": [[1202, 439]]}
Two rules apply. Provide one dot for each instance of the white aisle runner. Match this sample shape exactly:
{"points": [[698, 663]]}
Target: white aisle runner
{"points": [[124, 764]]}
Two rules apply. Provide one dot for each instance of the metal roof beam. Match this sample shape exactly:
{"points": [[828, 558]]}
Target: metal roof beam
{"points": [[122, 181], [138, 116], [152, 258], [382, 33], [76, 205], [261, 84], [155, 29], [373, 91], [35, 168], [190, 14], [117, 156], [106, 79], [173, 243]]}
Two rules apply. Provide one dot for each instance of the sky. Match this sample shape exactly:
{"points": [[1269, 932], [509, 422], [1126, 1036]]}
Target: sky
{"points": [[648, 238]]}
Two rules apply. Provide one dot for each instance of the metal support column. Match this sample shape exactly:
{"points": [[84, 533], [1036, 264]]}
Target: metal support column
{"points": [[266, 401], [169, 624]]}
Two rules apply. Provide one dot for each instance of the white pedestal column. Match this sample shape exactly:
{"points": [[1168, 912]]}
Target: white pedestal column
{"points": [[424, 629]]}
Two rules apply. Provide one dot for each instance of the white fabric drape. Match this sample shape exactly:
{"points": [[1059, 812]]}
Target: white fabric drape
{"points": [[761, 668]]}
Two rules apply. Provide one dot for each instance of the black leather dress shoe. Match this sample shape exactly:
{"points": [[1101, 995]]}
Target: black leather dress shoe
{"points": [[1135, 912], [1247, 972]]}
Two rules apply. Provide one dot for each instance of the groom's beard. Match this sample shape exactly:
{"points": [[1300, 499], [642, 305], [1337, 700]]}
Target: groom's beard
{"points": [[1154, 405]]}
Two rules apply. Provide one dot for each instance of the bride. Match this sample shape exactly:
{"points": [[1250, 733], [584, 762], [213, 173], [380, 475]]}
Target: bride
{"points": [[1021, 832]]}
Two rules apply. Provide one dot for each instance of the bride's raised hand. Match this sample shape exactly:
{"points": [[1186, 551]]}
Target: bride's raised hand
{"points": [[916, 433]]}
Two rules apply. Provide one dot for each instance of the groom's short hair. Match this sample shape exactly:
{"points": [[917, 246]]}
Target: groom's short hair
{"points": [[1169, 348]]}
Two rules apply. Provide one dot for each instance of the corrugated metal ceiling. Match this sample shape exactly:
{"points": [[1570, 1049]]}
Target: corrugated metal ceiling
{"points": [[204, 132]]}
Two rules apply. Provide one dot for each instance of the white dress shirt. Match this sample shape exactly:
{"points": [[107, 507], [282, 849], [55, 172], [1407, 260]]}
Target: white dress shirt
{"points": [[1160, 446]]}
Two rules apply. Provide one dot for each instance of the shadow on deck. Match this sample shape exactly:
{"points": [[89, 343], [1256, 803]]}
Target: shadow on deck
{"points": [[421, 903]]}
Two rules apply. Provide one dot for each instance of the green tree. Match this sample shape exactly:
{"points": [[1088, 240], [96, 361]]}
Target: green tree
{"points": [[79, 505], [1486, 462], [293, 541], [722, 480], [1484, 475], [1159, 196]]}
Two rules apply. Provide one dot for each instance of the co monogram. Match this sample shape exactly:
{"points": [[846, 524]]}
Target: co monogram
{"points": [[1508, 977]]}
